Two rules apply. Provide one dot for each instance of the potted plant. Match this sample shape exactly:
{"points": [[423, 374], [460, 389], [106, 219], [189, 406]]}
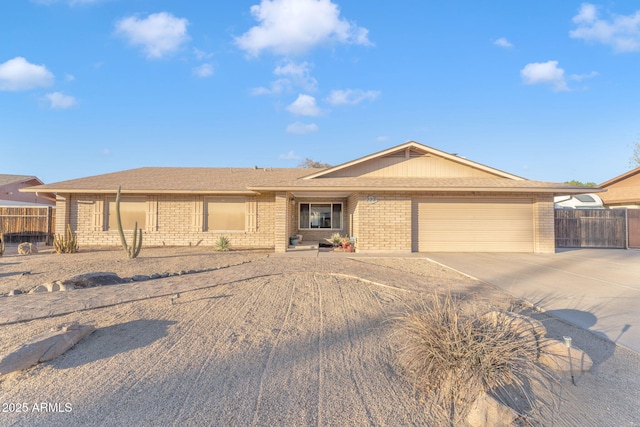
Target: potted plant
{"points": [[336, 239], [345, 242]]}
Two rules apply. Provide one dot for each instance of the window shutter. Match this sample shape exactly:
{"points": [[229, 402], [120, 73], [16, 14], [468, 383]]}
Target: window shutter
{"points": [[97, 223], [152, 214], [198, 214], [251, 215]]}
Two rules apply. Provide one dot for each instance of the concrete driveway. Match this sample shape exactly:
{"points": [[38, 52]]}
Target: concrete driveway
{"points": [[597, 289]]}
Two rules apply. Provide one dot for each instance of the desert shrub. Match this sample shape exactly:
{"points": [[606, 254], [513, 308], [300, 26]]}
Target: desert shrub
{"points": [[452, 356], [335, 238], [223, 244], [67, 243]]}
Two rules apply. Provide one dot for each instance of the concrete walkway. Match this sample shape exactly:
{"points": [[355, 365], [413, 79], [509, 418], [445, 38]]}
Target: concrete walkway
{"points": [[596, 289]]}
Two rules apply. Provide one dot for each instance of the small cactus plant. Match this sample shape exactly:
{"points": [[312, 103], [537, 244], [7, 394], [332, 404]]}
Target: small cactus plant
{"points": [[134, 250], [66, 244]]}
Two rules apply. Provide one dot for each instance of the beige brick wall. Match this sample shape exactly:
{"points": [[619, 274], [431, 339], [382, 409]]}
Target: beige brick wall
{"points": [[281, 222], [544, 227], [176, 222], [383, 225]]}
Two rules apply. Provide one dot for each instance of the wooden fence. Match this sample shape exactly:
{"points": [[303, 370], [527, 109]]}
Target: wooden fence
{"points": [[633, 221], [591, 228], [27, 224]]}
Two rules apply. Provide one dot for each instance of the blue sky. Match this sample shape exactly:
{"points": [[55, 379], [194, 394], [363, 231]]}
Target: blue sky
{"points": [[544, 89]]}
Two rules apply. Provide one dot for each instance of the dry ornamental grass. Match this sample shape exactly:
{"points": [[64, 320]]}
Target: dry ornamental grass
{"points": [[453, 357]]}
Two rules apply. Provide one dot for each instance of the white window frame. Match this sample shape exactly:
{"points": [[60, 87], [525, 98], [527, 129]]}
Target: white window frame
{"points": [[310, 204]]}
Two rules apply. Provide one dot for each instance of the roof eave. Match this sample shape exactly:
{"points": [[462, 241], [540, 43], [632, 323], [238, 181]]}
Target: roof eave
{"points": [[554, 190], [150, 191]]}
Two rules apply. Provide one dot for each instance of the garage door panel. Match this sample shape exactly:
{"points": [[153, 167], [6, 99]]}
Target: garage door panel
{"points": [[474, 225]]}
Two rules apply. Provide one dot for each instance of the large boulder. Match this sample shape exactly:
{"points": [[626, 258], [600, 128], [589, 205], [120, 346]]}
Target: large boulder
{"points": [[487, 411], [555, 355], [93, 279], [27, 248], [44, 347]]}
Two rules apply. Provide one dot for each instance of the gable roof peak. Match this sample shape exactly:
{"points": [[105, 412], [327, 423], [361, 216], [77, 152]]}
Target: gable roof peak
{"points": [[424, 149]]}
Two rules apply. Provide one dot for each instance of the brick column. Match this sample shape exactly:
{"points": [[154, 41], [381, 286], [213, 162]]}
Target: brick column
{"points": [[281, 222], [62, 213]]}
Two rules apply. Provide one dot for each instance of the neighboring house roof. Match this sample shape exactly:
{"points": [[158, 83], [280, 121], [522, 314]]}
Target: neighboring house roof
{"points": [[432, 170], [623, 188], [6, 179], [18, 204]]}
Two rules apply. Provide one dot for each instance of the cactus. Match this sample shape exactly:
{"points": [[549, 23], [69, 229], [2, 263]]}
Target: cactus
{"points": [[67, 243], [133, 250]]}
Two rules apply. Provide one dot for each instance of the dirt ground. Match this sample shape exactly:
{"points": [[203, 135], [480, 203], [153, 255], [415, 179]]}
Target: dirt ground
{"points": [[312, 347]]}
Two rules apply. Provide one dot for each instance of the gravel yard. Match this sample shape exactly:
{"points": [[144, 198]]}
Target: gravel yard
{"points": [[303, 341]]}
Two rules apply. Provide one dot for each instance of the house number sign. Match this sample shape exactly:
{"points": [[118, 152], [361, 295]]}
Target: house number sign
{"points": [[372, 200]]}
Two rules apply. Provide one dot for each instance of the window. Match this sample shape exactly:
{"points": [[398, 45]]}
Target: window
{"points": [[321, 215], [225, 214], [585, 198], [130, 212]]}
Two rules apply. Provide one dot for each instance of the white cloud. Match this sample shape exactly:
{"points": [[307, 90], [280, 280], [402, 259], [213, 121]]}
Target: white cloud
{"points": [[204, 70], [60, 101], [291, 27], [291, 155], [580, 77], [299, 128], [18, 74], [304, 105], [298, 73], [382, 138], [621, 32], [201, 54], [276, 87], [69, 77], [503, 42], [544, 73], [159, 34], [293, 75], [351, 96]]}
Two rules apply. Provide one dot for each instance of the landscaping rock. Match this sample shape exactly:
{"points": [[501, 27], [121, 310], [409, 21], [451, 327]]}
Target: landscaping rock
{"points": [[487, 411], [555, 355], [39, 289], [27, 248], [139, 278], [155, 276], [94, 279], [15, 292], [60, 286], [44, 347]]}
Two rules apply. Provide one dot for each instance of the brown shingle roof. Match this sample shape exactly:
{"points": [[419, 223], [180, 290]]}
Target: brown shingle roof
{"points": [[247, 180], [10, 179], [177, 180]]}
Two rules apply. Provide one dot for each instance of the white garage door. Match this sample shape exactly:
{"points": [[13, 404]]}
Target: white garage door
{"points": [[473, 225]]}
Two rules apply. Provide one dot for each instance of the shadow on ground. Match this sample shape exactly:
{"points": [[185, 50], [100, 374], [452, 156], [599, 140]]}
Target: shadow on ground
{"points": [[109, 341]]}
